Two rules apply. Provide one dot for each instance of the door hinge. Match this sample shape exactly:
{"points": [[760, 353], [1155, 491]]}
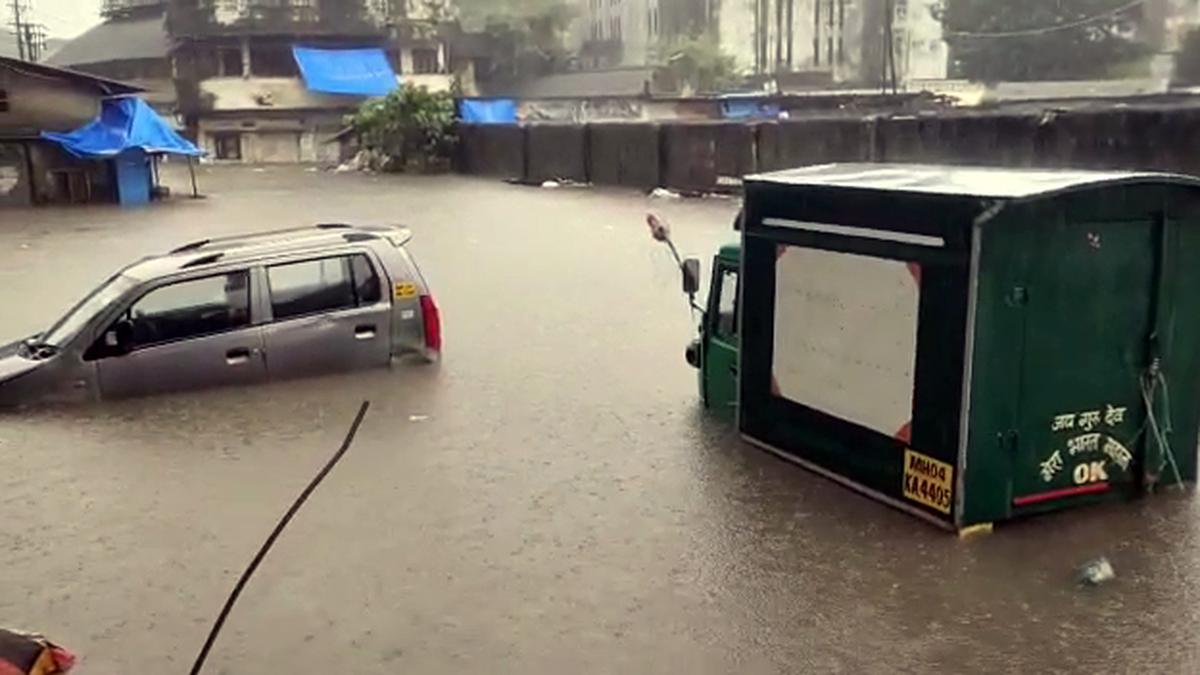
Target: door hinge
{"points": [[1018, 296]]}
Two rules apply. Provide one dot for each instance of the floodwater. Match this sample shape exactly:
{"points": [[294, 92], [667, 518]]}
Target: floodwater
{"points": [[549, 499]]}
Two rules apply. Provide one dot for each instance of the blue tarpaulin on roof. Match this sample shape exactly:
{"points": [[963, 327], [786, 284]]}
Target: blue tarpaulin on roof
{"points": [[488, 111], [125, 123], [357, 72]]}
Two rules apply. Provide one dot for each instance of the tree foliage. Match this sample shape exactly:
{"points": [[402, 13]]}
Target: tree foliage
{"points": [[412, 125], [1089, 51], [698, 64], [530, 34]]}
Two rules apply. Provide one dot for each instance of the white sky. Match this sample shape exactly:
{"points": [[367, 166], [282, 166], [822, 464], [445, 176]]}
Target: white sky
{"points": [[63, 18]]}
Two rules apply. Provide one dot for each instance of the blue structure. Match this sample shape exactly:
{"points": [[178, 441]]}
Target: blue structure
{"points": [[129, 133], [488, 111], [354, 72], [736, 107]]}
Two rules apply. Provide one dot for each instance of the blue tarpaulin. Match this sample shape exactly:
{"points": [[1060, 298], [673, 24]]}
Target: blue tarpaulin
{"points": [[743, 108], [358, 72], [488, 111], [125, 123]]}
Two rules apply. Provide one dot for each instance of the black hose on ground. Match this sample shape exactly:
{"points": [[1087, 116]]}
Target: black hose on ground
{"points": [[262, 552]]}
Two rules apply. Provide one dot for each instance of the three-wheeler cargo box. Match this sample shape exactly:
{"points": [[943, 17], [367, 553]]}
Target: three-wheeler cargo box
{"points": [[974, 344]]}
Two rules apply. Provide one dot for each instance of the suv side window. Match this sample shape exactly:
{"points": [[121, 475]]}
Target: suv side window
{"points": [[322, 285], [727, 306], [366, 280], [191, 309]]}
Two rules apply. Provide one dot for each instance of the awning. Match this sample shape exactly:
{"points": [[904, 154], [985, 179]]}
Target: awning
{"points": [[125, 123], [356, 72]]}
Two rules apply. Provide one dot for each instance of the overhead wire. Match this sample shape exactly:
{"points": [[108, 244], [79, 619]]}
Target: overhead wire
{"points": [[1044, 30]]}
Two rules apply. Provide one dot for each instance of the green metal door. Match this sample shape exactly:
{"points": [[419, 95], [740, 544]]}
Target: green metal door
{"points": [[1087, 302], [721, 350]]}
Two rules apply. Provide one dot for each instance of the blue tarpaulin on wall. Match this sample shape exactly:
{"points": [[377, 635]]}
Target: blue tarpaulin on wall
{"points": [[125, 123], [356, 72], [488, 111], [744, 108]]}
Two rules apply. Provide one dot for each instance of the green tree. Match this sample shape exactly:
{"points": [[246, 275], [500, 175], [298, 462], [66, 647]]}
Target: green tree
{"points": [[698, 65], [998, 40], [412, 125]]}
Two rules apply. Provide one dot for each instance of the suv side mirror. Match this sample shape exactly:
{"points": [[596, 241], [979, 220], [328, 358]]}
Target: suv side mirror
{"points": [[691, 276], [118, 340]]}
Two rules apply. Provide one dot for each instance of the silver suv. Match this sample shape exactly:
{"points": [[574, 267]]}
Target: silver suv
{"points": [[234, 311]]}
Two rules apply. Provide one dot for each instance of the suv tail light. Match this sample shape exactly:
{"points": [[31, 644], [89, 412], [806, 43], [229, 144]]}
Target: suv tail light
{"points": [[432, 319]]}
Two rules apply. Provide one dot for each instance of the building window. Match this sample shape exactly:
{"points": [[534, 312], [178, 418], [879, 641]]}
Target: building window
{"points": [[425, 61], [230, 60], [273, 62], [3, 100], [228, 145]]}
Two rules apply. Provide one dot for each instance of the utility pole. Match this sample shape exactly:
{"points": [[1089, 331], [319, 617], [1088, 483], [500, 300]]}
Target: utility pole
{"points": [[35, 41], [18, 27], [31, 37], [889, 47]]}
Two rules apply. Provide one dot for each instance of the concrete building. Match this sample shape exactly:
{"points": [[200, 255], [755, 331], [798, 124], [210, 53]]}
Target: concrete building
{"points": [[826, 40], [224, 70], [36, 98], [617, 33], [240, 90]]}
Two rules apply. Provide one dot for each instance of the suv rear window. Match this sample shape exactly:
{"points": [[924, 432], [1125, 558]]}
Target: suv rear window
{"points": [[322, 285]]}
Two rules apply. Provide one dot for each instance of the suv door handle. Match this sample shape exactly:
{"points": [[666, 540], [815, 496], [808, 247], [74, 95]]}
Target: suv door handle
{"points": [[364, 332], [236, 357]]}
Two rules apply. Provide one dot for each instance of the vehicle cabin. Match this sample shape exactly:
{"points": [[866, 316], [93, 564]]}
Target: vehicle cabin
{"points": [[234, 311], [968, 344]]}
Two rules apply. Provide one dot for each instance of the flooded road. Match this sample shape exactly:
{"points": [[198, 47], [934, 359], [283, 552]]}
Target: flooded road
{"points": [[549, 499]]}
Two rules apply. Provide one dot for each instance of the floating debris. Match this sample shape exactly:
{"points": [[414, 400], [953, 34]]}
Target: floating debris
{"points": [[1096, 572]]}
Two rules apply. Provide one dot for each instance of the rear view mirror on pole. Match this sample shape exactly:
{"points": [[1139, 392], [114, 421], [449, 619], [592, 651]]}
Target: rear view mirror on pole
{"points": [[691, 276]]}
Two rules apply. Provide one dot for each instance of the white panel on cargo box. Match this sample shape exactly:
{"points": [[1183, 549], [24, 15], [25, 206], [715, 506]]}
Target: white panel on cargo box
{"points": [[846, 336]]}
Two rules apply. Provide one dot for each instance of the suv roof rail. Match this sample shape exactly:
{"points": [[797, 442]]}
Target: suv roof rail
{"points": [[333, 226], [191, 246], [202, 260]]}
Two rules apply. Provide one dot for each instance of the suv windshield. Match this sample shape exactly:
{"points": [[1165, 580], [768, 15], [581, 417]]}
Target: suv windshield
{"points": [[70, 325]]}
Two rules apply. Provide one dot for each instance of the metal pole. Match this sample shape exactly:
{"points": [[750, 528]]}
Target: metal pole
{"points": [[889, 46], [17, 28], [778, 35], [192, 171], [791, 32]]}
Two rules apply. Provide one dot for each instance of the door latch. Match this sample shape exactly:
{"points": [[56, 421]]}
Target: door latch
{"points": [[1018, 296]]}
